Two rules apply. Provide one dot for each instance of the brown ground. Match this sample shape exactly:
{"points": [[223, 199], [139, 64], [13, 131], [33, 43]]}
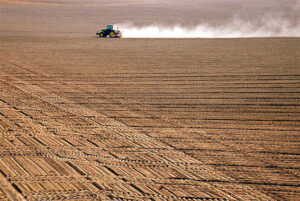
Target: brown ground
{"points": [[145, 119]]}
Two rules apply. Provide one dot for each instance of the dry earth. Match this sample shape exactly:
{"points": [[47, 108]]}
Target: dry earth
{"points": [[83, 118]]}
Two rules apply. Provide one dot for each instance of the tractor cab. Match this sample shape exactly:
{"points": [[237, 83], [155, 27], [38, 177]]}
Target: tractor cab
{"points": [[110, 32], [110, 27]]}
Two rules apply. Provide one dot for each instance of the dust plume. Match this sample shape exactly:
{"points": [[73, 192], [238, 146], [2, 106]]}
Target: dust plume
{"points": [[237, 28]]}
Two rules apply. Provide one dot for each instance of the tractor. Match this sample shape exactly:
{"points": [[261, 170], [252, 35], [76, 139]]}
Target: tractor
{"points": [[110, 32]]}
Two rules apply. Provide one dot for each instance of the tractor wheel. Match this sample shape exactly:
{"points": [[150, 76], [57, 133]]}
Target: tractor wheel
{"points": [[101, 35], [112, 34]]}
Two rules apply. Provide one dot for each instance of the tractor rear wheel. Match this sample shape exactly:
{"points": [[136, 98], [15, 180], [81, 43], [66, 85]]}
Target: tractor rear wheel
{"points": [[112, 34]]}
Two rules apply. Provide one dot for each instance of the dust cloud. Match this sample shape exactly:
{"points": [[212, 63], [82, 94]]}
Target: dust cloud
{"points": [[267, 26]]}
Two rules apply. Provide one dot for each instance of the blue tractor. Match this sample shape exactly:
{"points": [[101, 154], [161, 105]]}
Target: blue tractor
{"points": [[110, 32]]}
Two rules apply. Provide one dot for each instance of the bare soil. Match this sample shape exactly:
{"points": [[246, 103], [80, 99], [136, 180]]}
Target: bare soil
{"points": [[83, 118]]}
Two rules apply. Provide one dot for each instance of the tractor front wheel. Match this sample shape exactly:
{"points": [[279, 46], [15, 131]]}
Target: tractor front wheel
{"points": [[101, 35]]}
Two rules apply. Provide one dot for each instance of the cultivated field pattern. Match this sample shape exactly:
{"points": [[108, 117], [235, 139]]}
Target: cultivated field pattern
{"points": [[83, 118], [162, 124]]}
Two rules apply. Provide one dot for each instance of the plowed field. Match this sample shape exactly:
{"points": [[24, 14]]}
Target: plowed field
{"points": [[83, 118]]}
